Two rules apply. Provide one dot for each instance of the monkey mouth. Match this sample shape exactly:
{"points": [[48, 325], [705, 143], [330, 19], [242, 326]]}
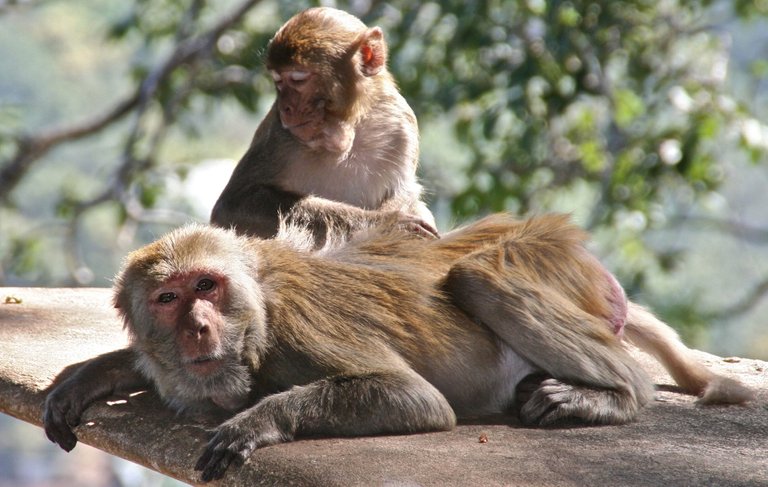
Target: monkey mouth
{"points": [[296, 125], [304, 131], [204, 364]]}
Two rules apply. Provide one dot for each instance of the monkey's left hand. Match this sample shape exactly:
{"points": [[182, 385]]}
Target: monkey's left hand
{"points": [[234, 441]]}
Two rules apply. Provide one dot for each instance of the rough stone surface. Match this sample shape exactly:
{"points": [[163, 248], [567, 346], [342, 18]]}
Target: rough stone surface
{"points": [[672, 442]]}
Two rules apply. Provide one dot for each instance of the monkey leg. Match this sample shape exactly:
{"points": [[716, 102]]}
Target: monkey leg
{"points": [[550, 250], [592, 377], [348, 405]]}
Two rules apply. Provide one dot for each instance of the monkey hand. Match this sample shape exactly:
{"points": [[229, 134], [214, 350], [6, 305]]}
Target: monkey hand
{"points": [[63, 410], [237, 438], [416, 225], [94, 379]]}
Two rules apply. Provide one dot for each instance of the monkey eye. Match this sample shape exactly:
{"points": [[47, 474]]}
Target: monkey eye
{"points": [[166, 298], [299, 76], [276, 76], [205, 285]]}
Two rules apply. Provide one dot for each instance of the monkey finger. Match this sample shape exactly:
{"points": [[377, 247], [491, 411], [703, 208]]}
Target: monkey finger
{"points": [[60, 433], [527, 387], [205, 458], [56, 426], [207, 464], [217, 464], [419, 227], [428, 230], [212, 454], [550, 403]]}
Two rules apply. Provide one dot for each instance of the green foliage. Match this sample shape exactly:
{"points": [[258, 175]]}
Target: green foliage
{"points": [[24, 256], [625, 95]]}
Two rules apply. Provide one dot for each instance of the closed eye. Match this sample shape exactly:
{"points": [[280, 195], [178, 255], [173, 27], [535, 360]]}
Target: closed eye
{"points": [[299, 76]]}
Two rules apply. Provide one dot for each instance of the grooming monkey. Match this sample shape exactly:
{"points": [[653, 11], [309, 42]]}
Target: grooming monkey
{"points": [[366, 339], [339, 148]]}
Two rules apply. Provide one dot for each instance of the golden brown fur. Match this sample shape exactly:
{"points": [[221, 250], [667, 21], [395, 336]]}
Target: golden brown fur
{"points": [[389, 333], [339, 148]]}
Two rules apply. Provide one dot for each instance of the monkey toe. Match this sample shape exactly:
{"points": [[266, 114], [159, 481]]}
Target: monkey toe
{"points": [[62, 436], [526, 387], [550, 403], [556, 403]]}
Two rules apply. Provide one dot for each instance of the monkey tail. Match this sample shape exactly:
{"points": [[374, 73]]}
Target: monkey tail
{"points": [[652, 335]]}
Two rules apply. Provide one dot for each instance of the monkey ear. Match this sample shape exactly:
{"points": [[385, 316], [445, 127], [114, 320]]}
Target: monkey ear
{"points": [[373, 51]]}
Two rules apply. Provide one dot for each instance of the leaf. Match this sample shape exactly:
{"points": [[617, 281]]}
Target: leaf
{"points": [[627, 107], [122, 26]]}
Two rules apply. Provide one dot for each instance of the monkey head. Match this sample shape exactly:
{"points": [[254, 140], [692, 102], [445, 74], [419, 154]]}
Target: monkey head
{"points": [[193, 313], [321, 61]]}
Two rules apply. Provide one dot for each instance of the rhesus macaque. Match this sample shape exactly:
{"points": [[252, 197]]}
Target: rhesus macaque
{"points": [[339, 147], [366, 339]]}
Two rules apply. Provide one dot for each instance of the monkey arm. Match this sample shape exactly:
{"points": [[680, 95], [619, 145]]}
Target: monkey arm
{"points": [[258, 210], [253, 210], [348, 405], [337, 219], [94, 379]]}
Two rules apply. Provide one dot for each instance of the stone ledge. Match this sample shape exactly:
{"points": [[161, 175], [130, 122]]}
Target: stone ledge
{"points": [[673, 441]]}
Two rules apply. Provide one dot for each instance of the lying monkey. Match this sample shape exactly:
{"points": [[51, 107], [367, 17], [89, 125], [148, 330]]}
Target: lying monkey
{"points": [[388, 334]]}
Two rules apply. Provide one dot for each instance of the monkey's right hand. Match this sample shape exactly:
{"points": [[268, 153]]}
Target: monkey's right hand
{"points": [[63, 410], [416, 225], [94, 379]]}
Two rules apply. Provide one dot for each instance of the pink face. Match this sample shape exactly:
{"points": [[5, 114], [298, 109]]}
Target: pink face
{"points": [[190, 306], [300, 105]]}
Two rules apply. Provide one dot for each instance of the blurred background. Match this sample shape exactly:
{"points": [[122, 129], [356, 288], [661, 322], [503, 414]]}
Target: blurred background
{"points": [[643, 119]]}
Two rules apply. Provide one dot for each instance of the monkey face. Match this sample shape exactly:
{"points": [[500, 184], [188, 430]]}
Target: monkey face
{"points": [[188, 305], [301, 106], [187, 320]]}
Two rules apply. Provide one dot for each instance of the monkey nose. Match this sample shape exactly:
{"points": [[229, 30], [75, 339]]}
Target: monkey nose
{"points": [[197, 330]]}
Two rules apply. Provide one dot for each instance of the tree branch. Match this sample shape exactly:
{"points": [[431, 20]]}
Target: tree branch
{"points": [[29, 149], [743, 306]]}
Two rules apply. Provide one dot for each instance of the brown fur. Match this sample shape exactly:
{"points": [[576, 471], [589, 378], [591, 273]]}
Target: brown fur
{"points": [[389, 333], [339, 149], [653, 336]]}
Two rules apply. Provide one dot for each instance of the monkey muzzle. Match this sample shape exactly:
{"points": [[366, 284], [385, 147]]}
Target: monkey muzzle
{"points": [[204, 365]]}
